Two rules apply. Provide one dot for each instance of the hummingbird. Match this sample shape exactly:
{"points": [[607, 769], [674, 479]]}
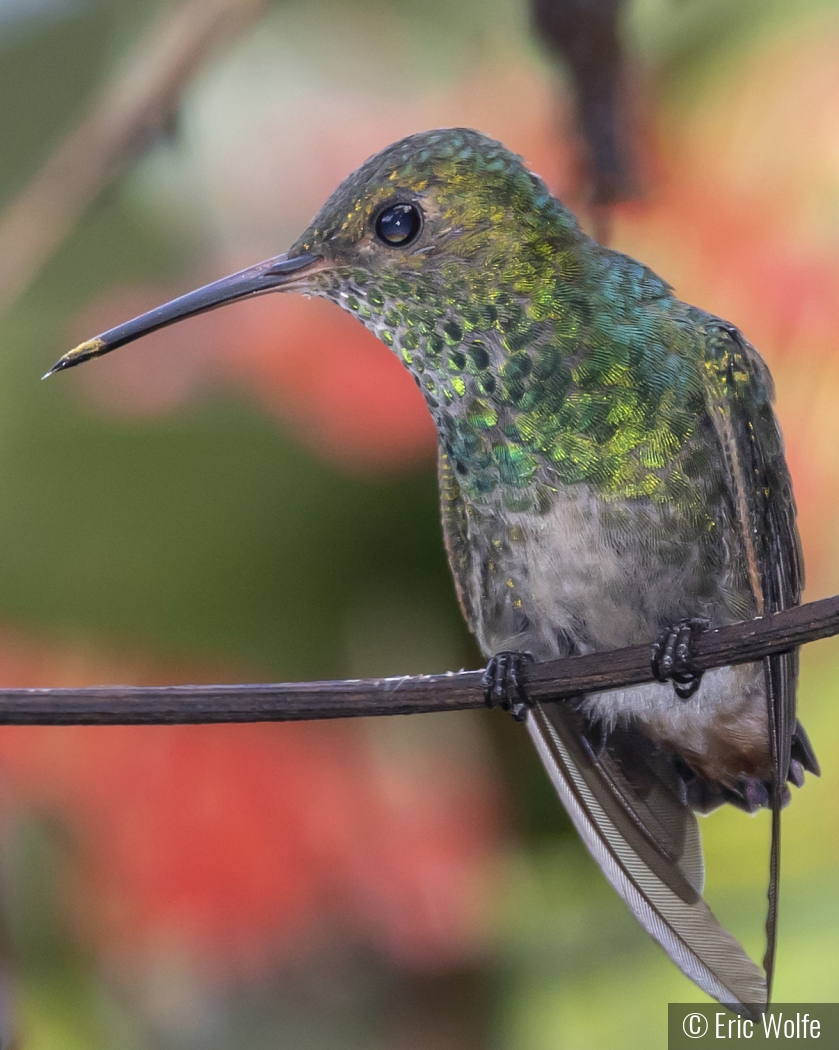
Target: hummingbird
{"points": [[611, 473]]}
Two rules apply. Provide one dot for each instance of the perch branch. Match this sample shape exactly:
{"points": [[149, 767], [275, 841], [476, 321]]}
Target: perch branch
{"points": [[294, 701]]}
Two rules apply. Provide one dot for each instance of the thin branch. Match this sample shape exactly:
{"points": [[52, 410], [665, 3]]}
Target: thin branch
{"points": [[130, 110], [296, 701]]}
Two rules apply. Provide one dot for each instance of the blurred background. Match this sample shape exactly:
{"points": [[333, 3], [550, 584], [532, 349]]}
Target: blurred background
{"points": [[252, 496]]}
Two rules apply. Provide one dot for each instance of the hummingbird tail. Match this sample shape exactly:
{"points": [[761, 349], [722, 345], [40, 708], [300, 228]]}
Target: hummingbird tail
{"points": [[646, 842], [781, 672]]}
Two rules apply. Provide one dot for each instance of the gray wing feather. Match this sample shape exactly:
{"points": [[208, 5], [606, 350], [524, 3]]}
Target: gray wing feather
{"points": [[682, 923], [638, 787]]}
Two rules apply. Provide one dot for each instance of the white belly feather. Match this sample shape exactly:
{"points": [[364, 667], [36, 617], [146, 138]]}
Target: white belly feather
{"points": [[563, 582]]}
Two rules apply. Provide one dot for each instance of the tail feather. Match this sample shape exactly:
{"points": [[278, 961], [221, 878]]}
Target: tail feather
{"points": [[781, 672], [681, 922]]}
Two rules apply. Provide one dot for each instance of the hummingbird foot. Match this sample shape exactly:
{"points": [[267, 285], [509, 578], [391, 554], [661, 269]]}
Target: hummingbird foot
{"points": [[670, 659], [503, 683]]}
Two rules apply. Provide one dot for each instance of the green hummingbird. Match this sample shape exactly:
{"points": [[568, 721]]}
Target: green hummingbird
{"points": [[611, 472]]}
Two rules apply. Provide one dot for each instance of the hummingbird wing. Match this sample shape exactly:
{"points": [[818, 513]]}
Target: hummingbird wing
{"points": [[740, 393], [455, 533], [625, 806]]}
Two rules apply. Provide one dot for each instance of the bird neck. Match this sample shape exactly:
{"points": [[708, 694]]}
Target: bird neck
{"points": [[536, 373]]}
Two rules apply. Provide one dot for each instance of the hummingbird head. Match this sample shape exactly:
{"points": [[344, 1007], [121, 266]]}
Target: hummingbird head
{"points": [[460, 260], [439, 236], [449, 250], [432, 209]]}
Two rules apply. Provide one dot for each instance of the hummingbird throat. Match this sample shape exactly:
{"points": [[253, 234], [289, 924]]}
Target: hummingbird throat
{"points": [[473, 365]]}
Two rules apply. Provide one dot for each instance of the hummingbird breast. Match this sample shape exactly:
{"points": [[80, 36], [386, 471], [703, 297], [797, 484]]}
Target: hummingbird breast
{"points": [[588, 575]]}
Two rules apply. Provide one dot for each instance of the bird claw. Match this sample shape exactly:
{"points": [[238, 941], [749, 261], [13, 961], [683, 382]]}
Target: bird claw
{"points": [[671, 654], [503, 685]]}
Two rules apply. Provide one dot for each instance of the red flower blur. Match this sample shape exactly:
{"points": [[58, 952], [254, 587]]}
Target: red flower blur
{"points": [[237, 845]]}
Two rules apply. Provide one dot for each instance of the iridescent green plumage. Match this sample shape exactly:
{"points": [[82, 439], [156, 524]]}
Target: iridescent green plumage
{"points": [[610, 465]]}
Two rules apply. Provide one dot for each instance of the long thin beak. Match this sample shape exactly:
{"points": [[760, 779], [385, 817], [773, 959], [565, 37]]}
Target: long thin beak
{"points": [[271, 275]]}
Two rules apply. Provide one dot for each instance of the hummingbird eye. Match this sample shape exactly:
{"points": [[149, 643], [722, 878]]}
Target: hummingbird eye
{"points": [[399, 225]]}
